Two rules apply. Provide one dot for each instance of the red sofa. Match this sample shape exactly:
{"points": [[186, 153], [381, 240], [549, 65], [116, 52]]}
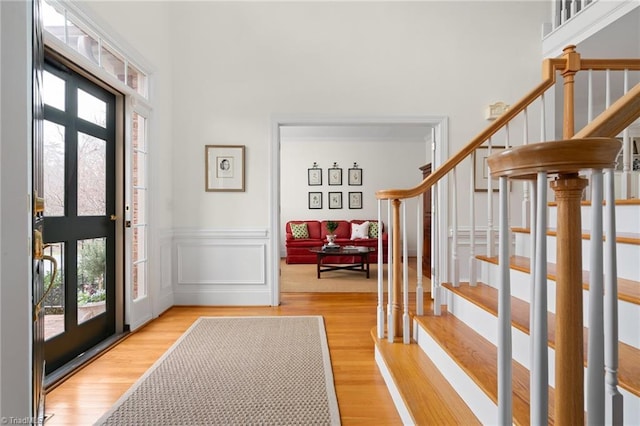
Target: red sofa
{"points": [[298, 248]]}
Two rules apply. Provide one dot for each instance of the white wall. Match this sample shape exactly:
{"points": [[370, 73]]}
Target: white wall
{"points": [[15, 227], [237, 64], [396, 165]]}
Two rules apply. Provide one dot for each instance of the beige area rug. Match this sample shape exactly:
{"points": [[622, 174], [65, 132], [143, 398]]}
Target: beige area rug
{"points": [[302, 278], [237, 371]]}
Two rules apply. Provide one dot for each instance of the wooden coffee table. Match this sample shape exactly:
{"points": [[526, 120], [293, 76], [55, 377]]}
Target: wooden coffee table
{"points": [[362, 252]]}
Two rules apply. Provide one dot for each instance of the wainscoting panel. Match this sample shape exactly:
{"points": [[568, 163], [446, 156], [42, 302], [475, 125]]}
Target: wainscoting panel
{"points": [[221, 267], [221, 263]]}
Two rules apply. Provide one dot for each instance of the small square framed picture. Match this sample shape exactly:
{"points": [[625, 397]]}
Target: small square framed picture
{"points": [[335, 200], [224, 168], [335, 176], [355, 176], [314, 176], [355, 200], [315, 200]]}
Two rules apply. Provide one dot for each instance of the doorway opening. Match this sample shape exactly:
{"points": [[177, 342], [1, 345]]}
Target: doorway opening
{"points": [[314, 136]]}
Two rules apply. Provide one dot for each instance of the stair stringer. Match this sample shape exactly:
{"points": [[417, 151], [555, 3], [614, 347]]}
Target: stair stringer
{"points": [[482, 406], [398, 401]]}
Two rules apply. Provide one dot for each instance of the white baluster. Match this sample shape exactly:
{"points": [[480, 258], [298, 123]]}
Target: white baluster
{"points": [[490, 230], [406, 327], [526, 202], [626, 152], [391, 323], [454, 240], [505, 402], [473, 278], [595, 367], [540, 359], [435, 275], [419, 254], [380, 315], [613, 398]]}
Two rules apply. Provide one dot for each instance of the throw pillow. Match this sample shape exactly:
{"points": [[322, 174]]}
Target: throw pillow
{"points": [[359, 230], [299, 230], [374, 230]]}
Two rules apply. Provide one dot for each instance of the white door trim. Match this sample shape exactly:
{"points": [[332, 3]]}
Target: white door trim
{"points": [[439, 123]]}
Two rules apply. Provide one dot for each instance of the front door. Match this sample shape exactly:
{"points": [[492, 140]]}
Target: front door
{"points": [[79, 213]]}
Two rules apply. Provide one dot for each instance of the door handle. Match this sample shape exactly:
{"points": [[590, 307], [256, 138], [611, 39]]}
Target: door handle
{"points": [[38, 307], [113, 218]]}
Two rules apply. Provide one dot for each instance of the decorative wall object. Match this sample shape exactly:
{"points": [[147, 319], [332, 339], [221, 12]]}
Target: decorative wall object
{"points": [[335, 200], [224, 168], [314, 175], [355, 175], [355, 200], [315, 200], [481, 170], [335, 175]]}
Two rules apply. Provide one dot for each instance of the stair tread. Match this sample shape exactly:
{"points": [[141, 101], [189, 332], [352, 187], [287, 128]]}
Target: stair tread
{"points": [[428, 396], [478, 358], [621, 237], [486, 297], [628, 290]]}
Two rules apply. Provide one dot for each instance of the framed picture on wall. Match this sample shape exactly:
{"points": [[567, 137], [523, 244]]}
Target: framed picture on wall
{"points": [[314, 176], [335, 175], [481, 169], [355, 176], [335, 200], [355, 200], [224, 168], [315, 200]]}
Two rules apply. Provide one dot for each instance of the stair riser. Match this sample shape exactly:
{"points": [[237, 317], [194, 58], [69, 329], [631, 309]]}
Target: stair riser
{"points": [[486, 324], [628, 255], [482, 406], [628, 313], [626, 218]]}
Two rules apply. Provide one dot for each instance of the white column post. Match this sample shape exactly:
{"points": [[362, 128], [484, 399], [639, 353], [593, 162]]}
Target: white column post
{"points": [[406, 326], [505, 402], [419, 254], [595, 367], [455, 273], [613, 398], [539, 329], [473, 275], [380, 311]]}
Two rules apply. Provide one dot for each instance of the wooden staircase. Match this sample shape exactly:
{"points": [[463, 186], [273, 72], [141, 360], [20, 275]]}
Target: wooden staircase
{"points": [[460, 344]]}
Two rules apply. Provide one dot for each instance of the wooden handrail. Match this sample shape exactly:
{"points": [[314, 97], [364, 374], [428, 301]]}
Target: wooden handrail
{"points": [[549, 68], [608, 124], [616, 118]]}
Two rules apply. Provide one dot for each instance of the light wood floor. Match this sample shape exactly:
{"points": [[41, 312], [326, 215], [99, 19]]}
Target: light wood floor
{"points": [[349, 317]]}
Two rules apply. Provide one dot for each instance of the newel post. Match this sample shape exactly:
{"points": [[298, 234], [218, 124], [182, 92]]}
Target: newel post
{"points": [[569, 381], [572, 66]]}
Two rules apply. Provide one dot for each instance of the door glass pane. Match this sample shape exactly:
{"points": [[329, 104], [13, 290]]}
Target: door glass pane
{"points": [[139, 204], [53, 169], [53, 20], [53, 91], [91, 290], [139, 240], [112, 63], [139, 280], [91, 175], [53, 304], [139, 172], [92, 109]]}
